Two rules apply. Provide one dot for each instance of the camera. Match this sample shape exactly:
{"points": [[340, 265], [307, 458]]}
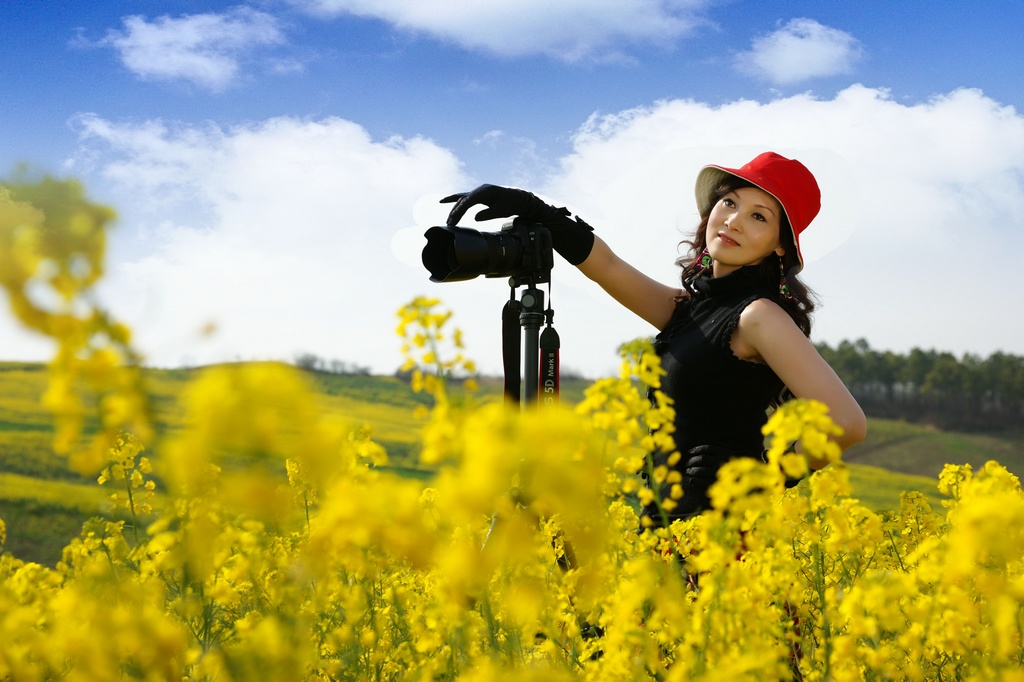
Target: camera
{"points": [[521, 250]]}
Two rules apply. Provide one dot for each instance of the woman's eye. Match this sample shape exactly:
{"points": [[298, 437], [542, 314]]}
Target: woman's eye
{"points": [[728, 202], [758, 216]]}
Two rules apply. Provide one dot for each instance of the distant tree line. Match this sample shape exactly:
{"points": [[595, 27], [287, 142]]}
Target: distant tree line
{"points": [[933, 387], [315, 363]]}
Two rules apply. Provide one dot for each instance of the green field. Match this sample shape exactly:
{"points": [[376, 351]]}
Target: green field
{"points": [[44, 503], [923, 451]]}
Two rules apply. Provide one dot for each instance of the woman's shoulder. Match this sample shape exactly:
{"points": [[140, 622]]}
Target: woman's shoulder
{"points": [[761, 309], [761, 321], [767, 314]]}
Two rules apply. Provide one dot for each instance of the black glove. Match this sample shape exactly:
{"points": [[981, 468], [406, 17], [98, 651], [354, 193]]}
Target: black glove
{"points": [[571, 237]]}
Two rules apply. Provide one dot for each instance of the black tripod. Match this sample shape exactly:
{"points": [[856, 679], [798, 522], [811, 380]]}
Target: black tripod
{"points": [[539, 352], [540, 365]]}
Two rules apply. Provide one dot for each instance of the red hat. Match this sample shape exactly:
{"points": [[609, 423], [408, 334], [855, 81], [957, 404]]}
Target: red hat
{"points": [[787, 180]]}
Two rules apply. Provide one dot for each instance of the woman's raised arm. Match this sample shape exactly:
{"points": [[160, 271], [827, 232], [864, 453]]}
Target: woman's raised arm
{"points": [[649, 299]]}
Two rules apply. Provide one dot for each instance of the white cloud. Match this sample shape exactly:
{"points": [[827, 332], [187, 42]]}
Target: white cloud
{"points": [[205, 49], [304, 235], [801, 50], [569, 29], [290, 249]]}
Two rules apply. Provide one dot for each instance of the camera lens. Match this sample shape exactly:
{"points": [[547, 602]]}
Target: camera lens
{"points": [[454, 254]]}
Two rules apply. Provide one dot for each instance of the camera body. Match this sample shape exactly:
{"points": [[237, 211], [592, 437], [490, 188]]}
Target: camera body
{"points": [[521, 251]]}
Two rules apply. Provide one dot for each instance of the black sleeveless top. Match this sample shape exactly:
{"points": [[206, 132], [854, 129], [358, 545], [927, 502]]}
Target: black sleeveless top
{"points": [[720, 401]]}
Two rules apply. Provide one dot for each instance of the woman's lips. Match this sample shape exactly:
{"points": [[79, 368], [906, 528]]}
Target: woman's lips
{"points": [[722, 237]]}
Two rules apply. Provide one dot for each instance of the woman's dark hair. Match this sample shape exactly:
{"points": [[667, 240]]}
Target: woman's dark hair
{"points": [[800, 306]]}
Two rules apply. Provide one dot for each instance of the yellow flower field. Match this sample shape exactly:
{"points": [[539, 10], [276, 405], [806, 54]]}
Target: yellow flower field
{"points": [[282, 550]]}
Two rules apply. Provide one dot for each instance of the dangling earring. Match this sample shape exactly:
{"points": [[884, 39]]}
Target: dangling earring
{"points": [[784, 291], [705, 261]]}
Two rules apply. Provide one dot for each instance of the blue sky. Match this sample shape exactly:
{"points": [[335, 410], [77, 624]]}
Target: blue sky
{"points": [[275, 163]]}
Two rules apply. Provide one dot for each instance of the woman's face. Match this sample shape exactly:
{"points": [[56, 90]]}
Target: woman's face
{"points": [[743, 229]]}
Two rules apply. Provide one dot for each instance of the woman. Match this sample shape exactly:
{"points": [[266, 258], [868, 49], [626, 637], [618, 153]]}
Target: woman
{"points": [[734, 337]]}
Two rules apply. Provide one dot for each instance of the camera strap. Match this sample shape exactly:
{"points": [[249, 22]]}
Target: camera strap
{"points": [[510, 347], [549, 352]]}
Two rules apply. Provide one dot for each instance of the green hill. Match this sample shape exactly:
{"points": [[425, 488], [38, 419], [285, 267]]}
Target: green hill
{"points": [[44, 503], [922, 450]]}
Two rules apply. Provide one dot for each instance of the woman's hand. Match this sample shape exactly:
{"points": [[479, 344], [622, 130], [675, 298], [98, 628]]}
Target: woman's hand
{"points": [[500, 202], [572, 238]]}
